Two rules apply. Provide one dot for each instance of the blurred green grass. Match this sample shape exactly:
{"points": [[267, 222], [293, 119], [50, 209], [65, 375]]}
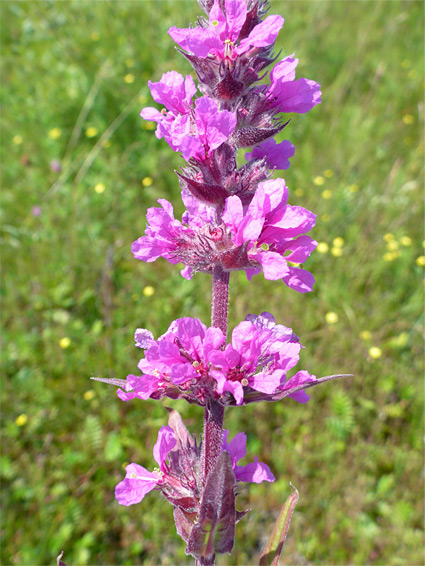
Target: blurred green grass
{"points": [[74, 80]]}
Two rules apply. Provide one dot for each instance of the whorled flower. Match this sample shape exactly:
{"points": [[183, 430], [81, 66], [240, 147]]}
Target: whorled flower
{"points": [[221, 37], [195, 131], [189, 362], [265, 235], [179, 479]]}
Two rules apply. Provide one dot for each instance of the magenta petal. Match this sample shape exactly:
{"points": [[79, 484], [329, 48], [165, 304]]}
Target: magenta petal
{"points": [[236, 447], [235, 16], [151, 114], [165, 443], [137, 483], [300, 249], [142, 386], [267, 382], [198, 41], [233, 213], [262, 35], [299, 96], [277, 154], [274, 265], [298, 379], [299, 279], [256, 472], [284, 71], [186, 273]]}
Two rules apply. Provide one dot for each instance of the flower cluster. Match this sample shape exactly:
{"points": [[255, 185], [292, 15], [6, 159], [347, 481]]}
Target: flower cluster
{"points": [[179, 479], [189, 362], [265, 235]]}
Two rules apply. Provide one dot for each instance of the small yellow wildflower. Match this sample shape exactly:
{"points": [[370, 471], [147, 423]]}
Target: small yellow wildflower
{"points": [[148, 291], [338, 242], [365, 334], [405, 241], [353, 188], [129, 62], [298, 192], [319, 180], [388, 237], [408, 119], [55, 133], [331, 317], [322, 248], [412, 74], [147, 181], [91, 132], [95, 36], [375, 352], [99, 188], [390, 256], [89, 395], [421, 260], [328, 173], [337, 252], [129, 78], [325, 217], [392, 245], [21, 420], [65, 342], [327, 194], [405, 63], [17, 140]]}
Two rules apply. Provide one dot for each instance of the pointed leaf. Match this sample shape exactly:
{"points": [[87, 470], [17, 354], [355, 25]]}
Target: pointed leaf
{"points": [[273, 549], [215, 530], [116, 382]]}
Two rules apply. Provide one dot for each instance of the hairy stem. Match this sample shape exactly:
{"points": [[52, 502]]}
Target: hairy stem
{"points": [[214, 412], [220, 298]]}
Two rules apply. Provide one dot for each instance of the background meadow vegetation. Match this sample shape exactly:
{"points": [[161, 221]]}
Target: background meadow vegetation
{"points": [[80, 168]]}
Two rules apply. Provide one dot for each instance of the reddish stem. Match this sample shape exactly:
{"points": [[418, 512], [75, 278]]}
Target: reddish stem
{"points": [[220, 298]]}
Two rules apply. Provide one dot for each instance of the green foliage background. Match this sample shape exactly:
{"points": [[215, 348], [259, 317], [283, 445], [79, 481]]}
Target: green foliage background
{"points": [[355, 450]]}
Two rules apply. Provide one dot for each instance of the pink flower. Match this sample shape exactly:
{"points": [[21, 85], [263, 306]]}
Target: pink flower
{"points": [[220, 37], [256, 472], [179, 479], [139, 481], [174, 92], [288, 94], [211, 128]]}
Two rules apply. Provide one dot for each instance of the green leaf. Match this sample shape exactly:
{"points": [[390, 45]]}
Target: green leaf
{"points": [[273, 549]]}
